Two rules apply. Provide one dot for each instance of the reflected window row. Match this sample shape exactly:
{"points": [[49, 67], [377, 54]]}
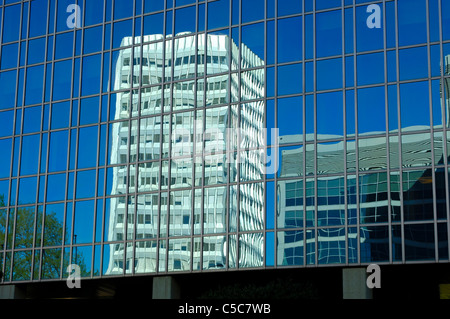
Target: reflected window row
{"points": [[412, 24], [370, 199], [256, 250], [409, 107]]}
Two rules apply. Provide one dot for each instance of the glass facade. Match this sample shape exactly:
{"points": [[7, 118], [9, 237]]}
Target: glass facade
{"points": [[163, 136]]}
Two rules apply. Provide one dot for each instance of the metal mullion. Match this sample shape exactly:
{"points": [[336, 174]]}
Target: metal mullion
{"points": [[98, 150], [169, 161], [203, 110], [229, 154], [19, 137], [163, 63], [108, 132], [355, 97], [344, 111], [388, 150], [263, 181], [138, 136], [238, 160], [136, 141], [430, 107], [305, 251], [400, 156], [316, 242], [192, 215], [3, 256]]}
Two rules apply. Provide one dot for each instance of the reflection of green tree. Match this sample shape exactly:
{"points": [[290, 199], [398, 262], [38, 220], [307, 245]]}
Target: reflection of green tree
{"points": [[24, 236]]}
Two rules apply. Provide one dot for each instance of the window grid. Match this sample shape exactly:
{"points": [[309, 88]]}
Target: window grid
{"points": [[13, 177]]}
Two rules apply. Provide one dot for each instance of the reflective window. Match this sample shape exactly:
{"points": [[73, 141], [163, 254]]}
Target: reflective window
{"points": [[290, 119], [329, 115], [83, 222], [6, 123], [371, 111], [61, 82], [30, 152], [289, 43], [252, 10], [184, 21], [92, 40], [368, 39], [12, 20], [412, 19], [290, 248], [7, 94], [331, 245], [218, 14], [413, 63], [58, 151], [374, 243], [414, 105], [329, 74], [328, 33], [370, 68], [419, 242]]}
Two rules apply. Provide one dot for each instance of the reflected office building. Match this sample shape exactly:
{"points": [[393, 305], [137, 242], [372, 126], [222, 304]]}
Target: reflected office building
{"points": [[199, 144], [212, 144]]}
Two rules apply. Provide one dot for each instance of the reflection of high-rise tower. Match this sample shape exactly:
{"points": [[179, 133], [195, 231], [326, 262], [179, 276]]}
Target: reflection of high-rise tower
{"points": [[179, 151]]}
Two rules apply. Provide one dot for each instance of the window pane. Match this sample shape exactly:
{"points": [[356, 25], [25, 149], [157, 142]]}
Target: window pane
{"points": [[290, 248], [58, 151], [30, 155], [12, 20], [91, 75], [60, 115], [328, 33], [252, 10], [368, 39], [329, 74], [412, 25], [290, 119], [371, 111], [87, 147], [419, 242], [289, 39], [36, 51], [331, 246], [413, 63], [92, 40], [218, 14], [84, 221], [6, 123], [414, 104], [329, 115], [85, 184], [8, 92], [53, 224], [374, 244], [185, 20], [370, 68], [62, 82]]}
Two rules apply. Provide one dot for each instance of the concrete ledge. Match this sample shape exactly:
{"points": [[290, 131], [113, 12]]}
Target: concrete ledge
{"points": [[11, 292], [165, 288], [354, 284]]}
